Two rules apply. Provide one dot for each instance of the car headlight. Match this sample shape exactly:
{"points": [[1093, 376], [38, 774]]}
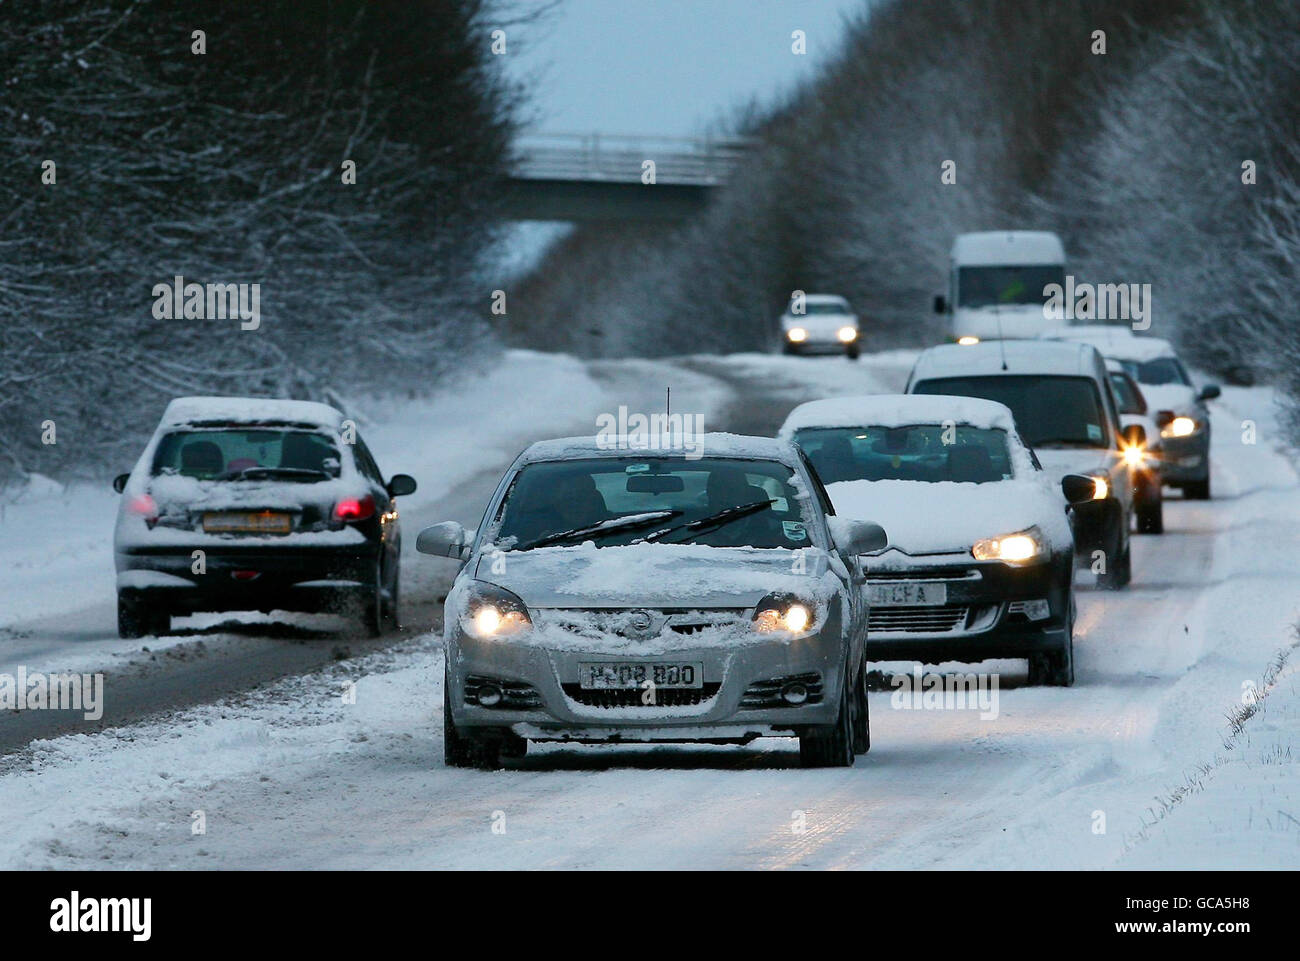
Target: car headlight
{"points": [[796, 335], [1180, 427], [488, 612], [784, 613], [1135, 456], [969, 340], [848, 334], [1019, 548], [1101, 486]]}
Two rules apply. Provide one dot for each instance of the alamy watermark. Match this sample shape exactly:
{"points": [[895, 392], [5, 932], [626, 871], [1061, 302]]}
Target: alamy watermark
{"points": [[181, 301], [1131, 302], [920, 691], [656, 432], [53, 692]]}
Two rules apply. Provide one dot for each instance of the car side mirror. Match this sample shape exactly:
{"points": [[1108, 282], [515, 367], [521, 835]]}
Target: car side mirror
{"points": [[857, 537], [119, 482], [1135, 435], [940, 304], [1209, 392], [1164, 418], [399, 485], [443, 540], [1078, 489]]}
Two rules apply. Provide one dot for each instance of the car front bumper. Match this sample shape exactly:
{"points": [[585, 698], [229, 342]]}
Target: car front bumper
{"points": [[1185, 459], [739, 699], [985, 614]]}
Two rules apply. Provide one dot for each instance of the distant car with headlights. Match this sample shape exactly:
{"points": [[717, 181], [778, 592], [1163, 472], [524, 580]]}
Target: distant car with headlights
{"points": [[1145, 461], [1065, 411], [820, 324], [253, 504], [980, 560], [1178, 408], [612, 596]]}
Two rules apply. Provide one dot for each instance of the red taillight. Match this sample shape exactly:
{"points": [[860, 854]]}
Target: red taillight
{"points": [[143, 505], [354, 508]]}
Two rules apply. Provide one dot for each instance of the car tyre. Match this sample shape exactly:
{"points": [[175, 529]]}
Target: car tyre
{"points": [[135, 620], [1055, 668], [831, 746], [1197, 490], [456, 749], [854, 352], [392, 609], [862, 719], [1119, 574], [1151, 510], [373, 615]]}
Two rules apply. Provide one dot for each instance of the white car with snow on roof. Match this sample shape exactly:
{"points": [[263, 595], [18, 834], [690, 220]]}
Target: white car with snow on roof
{"points": [[980, 559]]}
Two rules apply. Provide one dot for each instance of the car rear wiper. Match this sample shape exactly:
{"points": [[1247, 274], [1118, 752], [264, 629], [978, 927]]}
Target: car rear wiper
{"points": [[725, 516], [611, 526], [251, 473]]}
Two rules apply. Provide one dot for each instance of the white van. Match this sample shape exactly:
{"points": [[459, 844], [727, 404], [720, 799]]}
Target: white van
{"points": [[996, 281]]}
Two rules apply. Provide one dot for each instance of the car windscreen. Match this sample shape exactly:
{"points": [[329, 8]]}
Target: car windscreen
{"points": [[1126, 394], [1158, 372], [1001, 286], [720, 502], [1050, 410], [919, 452], [238, 453]]}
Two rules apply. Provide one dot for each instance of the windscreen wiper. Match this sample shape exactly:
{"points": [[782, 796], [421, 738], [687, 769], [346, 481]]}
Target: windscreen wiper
{"points": [[612, 526], [725, 516]]}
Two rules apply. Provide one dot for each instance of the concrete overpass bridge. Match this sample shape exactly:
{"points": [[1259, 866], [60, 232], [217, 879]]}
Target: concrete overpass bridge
{"points": [[592, 177]]}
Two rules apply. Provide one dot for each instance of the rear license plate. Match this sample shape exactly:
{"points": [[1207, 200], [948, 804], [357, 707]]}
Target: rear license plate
{"points": [[624, 676], [263, 522], [907, 594]]}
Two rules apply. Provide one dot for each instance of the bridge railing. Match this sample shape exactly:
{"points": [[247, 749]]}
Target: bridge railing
{"points": [[597, 157]]}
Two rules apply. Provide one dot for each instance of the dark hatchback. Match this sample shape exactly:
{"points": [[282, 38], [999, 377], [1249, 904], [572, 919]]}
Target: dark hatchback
{"points": [[248, 504]]}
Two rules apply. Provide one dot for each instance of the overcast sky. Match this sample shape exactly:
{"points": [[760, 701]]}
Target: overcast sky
{"points": [[666, 67]]}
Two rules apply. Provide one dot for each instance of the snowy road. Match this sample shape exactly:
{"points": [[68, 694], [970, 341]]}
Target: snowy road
{"points": [[299, 773]]}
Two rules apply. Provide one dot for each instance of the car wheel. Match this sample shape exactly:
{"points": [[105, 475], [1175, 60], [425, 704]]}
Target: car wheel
{"points": [[135, 620], [1121, 572], [372, 605], [1056, 668], [392, 609], [1151, 510], [455, 749], [862, 720], [832, 746], [854, 352], [1197, 490]]}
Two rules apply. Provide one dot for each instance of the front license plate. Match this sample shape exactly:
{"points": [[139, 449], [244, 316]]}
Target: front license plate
{"points": [[262, 522], [623, 676], [907, 594]]}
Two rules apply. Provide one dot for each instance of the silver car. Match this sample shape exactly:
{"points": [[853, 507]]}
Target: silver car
{"points": [[621, 595]]}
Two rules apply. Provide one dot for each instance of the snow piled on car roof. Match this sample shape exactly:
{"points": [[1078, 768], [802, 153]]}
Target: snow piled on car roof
{"points": [[257, 410], [898, 410], [660, 445]]}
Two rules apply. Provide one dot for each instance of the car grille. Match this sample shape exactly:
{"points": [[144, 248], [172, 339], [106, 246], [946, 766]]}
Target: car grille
{"points": [[927, 574], [944, 619], [672, 697]]}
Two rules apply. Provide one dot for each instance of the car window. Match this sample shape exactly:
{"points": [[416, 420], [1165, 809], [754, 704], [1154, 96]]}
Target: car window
{"points": [[919, 452], [1050, 410], [636, 497], [994, 286], [1130, 402], [1158, 372], [366, 463], [233, 452]]}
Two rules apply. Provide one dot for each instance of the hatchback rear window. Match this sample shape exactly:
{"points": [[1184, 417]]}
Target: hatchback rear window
{"points": [[247, 454]]}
